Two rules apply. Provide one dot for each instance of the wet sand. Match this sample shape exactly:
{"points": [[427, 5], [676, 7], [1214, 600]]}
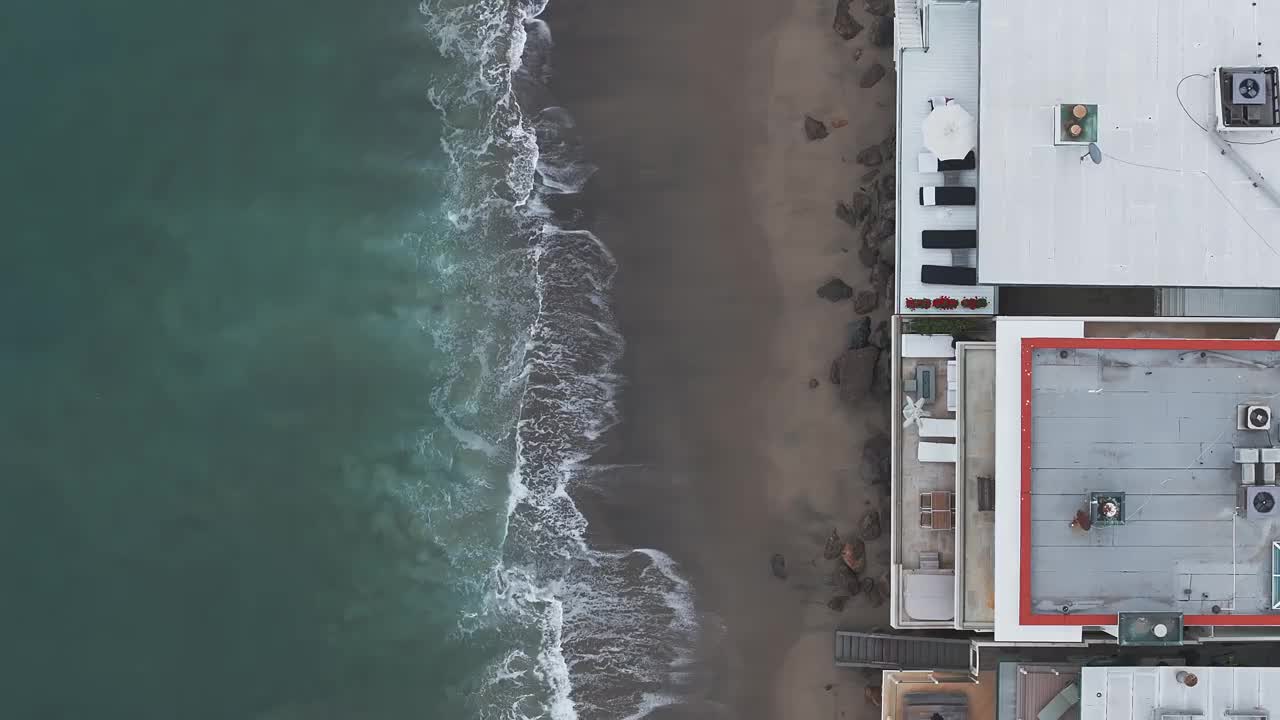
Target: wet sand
{"points": [[721, 216]]}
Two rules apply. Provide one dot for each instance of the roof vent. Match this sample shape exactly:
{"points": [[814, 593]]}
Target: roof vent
{"points": [[1248, 98], [1258, 417], [1260, 502]]}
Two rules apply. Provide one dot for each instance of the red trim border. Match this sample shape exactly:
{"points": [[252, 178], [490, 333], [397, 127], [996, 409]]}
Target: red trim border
{"points": [[1027, 615]]}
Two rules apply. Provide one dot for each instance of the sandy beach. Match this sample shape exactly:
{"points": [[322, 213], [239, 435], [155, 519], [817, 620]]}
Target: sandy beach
{"points": [[721, 215]]}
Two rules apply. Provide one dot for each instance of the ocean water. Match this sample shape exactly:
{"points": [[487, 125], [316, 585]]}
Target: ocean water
{"points": [[298, 371]]}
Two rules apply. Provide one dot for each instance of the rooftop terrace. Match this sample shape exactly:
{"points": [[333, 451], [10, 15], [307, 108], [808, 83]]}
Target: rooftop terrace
{"points": [[1165, 206], [1151, 425]]}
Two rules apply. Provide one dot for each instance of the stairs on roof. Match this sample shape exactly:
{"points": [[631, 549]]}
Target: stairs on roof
{"points": [[908, 27]]}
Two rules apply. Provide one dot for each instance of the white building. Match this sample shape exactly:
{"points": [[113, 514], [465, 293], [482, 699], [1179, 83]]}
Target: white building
{"points": [[1083, 463]]}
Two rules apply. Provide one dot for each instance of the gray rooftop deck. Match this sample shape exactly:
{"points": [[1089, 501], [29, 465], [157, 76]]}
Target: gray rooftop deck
{"points": [[1159, 426]]}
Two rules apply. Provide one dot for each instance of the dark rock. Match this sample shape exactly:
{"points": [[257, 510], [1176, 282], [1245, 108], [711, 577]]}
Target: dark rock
{"points": [[880, 338], [853, 585], [813, 383], [871, 694], [880, 7], [890, 289], [881, 276], [870, 155], [860, 206], [881, 377], [876, 455], [838, 602], [887, 186], [865, 301], [870, 526], [869, 255], [834, 375], [886, 250], [835, 290], [828, 687], [844, 24], [854, 557], [861, 336], [876, 232], [889, 146], [855, 370], [850, 214], [882, 32], [815, 129], [873, 594], [778, 565], [871, 76], [831, 550], [869, 175], [857, 54]]}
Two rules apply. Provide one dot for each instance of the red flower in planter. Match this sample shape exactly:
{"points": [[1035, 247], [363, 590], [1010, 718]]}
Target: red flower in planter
{"points": [[945, 303], [974, 303]]}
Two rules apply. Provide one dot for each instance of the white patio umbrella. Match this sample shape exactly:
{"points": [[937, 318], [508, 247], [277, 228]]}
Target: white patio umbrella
{"points": [[949, 132]]}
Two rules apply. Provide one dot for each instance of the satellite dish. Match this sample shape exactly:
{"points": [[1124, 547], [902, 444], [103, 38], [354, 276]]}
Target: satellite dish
{"points": [[1095, 154]]}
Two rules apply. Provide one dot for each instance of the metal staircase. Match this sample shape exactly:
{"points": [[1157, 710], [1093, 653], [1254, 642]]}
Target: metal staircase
{"points": [[908, 27], [900, 652]]}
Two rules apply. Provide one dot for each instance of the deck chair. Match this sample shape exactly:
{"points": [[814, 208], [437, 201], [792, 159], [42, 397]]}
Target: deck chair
{"points": [[937, 427], [948, 195], [948, 275], [936, 452], [928, 162], [949, 239]]}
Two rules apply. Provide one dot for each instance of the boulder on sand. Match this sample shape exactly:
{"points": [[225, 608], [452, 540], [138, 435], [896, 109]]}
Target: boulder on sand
{"points": [[853, 371], [778, 565], [871, 76], [835, 290], [854, 557], [856, 210], [880, 338], [870, 155], [815, 129], [869, 255], [838, 602], [864, 301], [831, 550], [869, 528], [844, 24], [875, 460], [861, 335], [879, 7]]}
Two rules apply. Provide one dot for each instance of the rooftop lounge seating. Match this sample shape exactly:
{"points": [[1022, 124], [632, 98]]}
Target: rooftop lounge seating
{"points": [[949, 239], [948, 275], [928, 162], [948, 195]]}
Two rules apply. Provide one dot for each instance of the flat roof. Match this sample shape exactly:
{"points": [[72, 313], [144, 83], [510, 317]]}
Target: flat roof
{"points": [[949, 69], [1156, 421], [1137, 693], [1165, 207]]}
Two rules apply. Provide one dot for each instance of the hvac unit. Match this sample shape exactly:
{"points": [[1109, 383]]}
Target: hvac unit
{"points": [[1257, 417], [1247, 98], [1260, 502]]}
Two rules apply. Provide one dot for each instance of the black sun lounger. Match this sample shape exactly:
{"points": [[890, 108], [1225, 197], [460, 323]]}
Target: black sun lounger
{"points": [[948, 195], [948, 275], [928, 162], [949, 239]]}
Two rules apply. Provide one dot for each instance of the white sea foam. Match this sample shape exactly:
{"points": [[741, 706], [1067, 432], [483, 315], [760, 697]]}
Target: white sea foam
{"points": [[593, 633]]}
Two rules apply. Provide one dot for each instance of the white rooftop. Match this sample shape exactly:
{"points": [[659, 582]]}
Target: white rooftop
{"points": [[948, 69], [1143, 693], [1190, 217]]}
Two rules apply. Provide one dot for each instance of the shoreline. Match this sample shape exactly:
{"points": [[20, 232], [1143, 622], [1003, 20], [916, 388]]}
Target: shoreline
{"points": [[721, 216]]}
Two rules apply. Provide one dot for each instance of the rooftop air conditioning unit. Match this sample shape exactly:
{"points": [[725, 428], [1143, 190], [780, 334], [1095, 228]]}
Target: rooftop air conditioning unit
{"points": [[1257, 417], [1247, 98], [1260, 502]]}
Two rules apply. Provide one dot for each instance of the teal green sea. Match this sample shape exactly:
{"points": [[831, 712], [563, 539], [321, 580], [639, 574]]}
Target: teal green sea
{"points": [[230, 355], [297, 368]]}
